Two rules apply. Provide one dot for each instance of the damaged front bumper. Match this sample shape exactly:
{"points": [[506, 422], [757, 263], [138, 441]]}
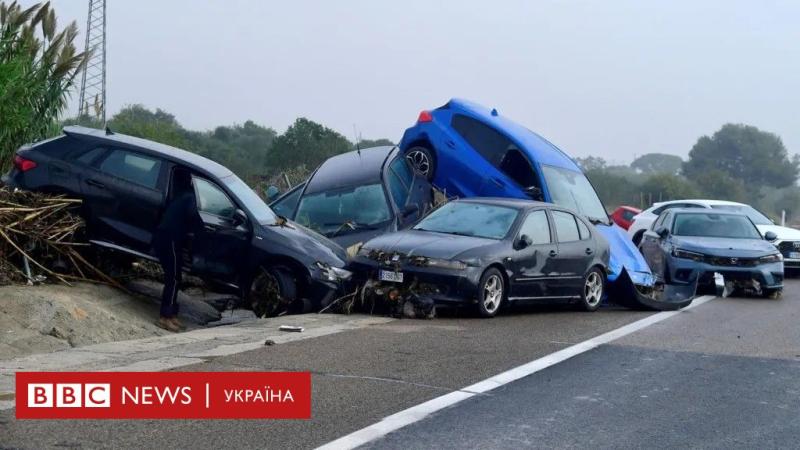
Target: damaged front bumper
{"points": [[646, 294]]}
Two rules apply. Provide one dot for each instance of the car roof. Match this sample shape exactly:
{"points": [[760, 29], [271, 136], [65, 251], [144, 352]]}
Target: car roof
{"points": [[516, 203], [174, 154], [355, 168], [704, 202], [538, 148], [705, 211]]}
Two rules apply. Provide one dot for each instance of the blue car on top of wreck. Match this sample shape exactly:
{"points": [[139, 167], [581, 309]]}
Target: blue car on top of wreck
{"points": [[469, 150]]}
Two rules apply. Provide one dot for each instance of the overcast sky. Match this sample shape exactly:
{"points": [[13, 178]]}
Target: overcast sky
{"points": [[608, 78]]}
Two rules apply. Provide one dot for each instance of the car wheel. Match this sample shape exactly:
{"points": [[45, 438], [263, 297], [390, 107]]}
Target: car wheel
{"points": [[492, 292], [593, 288], [772, 294], [423, 161], [272, 292]]}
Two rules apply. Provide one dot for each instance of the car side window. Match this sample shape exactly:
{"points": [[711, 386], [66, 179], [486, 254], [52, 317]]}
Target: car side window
{"points": [[536, 227], [211, 199], [628, 215], [400, 179], [91, 156], [566, 227], [286, 206], [662, 219], [132, 167], [583, 229], [484, 139]]}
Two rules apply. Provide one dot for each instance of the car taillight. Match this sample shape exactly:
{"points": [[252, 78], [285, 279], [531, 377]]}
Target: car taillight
{"points": [[23, 164], [425, 116]]}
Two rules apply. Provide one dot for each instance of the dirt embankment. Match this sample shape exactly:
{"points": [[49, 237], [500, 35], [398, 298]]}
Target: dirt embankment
{"points": [[47, 318]]}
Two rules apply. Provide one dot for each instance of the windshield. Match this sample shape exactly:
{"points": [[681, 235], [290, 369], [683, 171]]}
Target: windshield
{"points": [[344, 210], [470, 219], [572, 190], [715, 225], [747, 210], [250, 200]]}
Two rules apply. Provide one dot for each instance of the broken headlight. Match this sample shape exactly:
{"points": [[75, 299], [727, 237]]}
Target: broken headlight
{"points": [[685, 254], [775, 257], [446, 264], [333, 273]]}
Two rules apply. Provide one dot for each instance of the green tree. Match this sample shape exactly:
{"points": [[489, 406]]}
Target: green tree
{"points": [[653, 163], [159, 126], [38, 66], [305, 142], [744, 153], [665, 186], [613, 190], [591, 163], [716, 184], [367, 143]]}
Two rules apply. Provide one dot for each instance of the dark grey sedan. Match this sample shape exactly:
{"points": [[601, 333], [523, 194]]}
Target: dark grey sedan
{"points": [[685, 246]]}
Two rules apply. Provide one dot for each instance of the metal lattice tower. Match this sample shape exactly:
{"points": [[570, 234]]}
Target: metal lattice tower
{"points": [[93, 82]]}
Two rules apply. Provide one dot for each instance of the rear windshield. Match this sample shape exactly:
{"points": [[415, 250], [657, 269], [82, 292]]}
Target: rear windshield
{"points": [[715, 225], [470, 219]]}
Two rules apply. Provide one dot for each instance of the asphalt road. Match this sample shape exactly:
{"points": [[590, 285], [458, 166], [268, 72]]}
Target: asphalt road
{"points": [[724, 374]]}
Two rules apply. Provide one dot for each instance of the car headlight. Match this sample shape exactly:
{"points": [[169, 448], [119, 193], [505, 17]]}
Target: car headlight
{"points": [[333, 273], [685, 254], [775, 257], [446, 264]]}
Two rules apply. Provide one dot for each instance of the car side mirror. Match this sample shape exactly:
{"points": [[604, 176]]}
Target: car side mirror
{"points": [[272, 193], [411, 208], [771, 236], [239, 218], [662, 232], [524, 242]]}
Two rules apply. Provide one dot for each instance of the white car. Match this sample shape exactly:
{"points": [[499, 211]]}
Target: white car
{"points": [[788, 241]]}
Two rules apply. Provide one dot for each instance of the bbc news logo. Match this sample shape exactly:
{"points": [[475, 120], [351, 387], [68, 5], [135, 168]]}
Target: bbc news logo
{"points": [[163, 395], [69, 395]]}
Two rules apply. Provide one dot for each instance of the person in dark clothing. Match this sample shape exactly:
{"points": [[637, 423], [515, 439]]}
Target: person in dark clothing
{"points": [[180, 218]]}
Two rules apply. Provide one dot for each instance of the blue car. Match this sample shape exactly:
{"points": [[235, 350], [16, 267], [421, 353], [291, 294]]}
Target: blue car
{"points": [[469, 150]]}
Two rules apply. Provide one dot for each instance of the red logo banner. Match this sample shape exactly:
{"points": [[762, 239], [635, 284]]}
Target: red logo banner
{"points": [[163, 395]]}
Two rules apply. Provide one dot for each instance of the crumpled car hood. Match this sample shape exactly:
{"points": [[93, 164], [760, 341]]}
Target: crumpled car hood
{"points": [[625, 255]]}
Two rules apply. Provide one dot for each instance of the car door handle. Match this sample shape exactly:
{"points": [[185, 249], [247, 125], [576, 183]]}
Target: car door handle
{"points": [[451, 144], [553, 253], [95, 183], [589, 251]]}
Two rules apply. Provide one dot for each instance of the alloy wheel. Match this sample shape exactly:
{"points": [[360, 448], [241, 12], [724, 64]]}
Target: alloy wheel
{"points": [[492, 293], [420, 161], [593, 289]]}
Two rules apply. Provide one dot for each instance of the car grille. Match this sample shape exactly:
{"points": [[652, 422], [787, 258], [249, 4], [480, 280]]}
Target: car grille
{"points": [[787, 247], [731, 262]]}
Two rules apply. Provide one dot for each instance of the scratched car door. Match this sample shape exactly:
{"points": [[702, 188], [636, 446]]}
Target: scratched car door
{"points": [[532, 263]]}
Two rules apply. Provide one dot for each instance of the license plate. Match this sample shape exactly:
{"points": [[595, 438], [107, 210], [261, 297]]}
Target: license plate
{"points": [[394, 277], [794, 255]]}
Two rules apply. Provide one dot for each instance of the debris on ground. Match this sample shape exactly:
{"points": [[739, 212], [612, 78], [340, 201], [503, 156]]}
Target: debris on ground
{"points": [[291, 328], [38, 240]]}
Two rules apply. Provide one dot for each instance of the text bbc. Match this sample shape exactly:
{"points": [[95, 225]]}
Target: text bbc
{"points": [[69, 395]]}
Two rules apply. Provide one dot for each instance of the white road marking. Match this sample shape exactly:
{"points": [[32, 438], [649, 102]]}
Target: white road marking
{"points": [[423, 410]]}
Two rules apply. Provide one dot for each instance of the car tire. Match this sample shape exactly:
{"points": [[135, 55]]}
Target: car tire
{"points": [[273, 291], [772, 294], [491, 292], [423, 161], [592, 290]]}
